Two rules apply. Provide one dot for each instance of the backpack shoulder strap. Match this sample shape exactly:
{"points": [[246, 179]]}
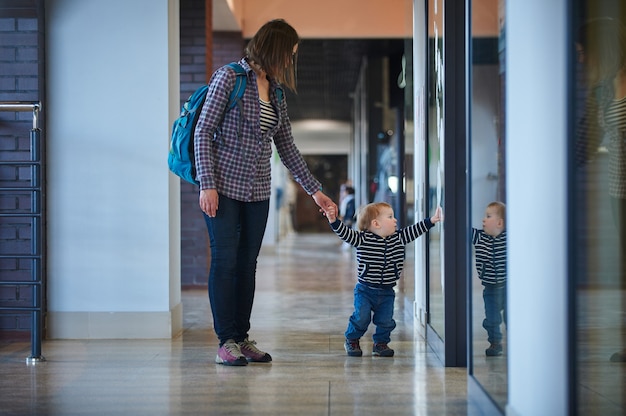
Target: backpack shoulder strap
{"points": [[240, 85], [279, 94], [237, 93]]}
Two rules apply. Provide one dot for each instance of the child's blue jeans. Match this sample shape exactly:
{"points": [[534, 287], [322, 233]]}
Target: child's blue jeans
{"points": [[372, 305], [494, 297]]}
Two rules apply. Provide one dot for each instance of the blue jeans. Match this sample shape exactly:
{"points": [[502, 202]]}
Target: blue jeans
{"points": [[495, 311], [368, 300], [236, 234]]}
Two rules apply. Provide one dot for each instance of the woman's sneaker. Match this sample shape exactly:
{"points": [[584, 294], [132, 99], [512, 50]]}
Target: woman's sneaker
{"points": [[382, 350], [252, 353], [230, 354], [353, 348]]}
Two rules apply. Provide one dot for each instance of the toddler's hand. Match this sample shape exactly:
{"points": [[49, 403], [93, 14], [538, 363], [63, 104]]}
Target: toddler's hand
{"points": [[437, 217], [331, 214]]}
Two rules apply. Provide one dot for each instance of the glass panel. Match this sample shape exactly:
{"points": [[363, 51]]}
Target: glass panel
{"points": [[488, 331], [599, 214], [434, 154], [405, 82]]}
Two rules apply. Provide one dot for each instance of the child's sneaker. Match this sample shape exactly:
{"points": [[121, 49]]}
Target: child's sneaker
{"points": [[618, 357], [494, 350], [382, 350], [353, 348], [230, 354], [252, 353]]}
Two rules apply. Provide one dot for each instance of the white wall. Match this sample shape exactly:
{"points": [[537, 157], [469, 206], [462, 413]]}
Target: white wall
{"points": [[113, 233], [322, 137], [536, 210]]}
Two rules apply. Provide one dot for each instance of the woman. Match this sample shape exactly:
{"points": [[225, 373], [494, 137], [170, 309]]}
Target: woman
{"points": [[232, 152]]}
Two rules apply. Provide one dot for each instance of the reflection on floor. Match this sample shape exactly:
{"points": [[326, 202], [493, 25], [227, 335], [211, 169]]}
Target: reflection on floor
{"points": [[490, 372], [602, 385], [600, 297], [304, 298]]}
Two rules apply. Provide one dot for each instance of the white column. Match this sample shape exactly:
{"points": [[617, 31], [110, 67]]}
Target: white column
{"points": [[536, 140], [113, 207]]}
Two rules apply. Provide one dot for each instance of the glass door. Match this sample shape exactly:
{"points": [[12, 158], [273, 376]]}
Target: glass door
{"points": [[598, 182], [435, 159], [446, 179], [488, 346]]}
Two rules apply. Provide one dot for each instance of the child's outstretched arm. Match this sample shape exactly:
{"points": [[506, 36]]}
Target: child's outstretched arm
{"points": [[437, 217]]}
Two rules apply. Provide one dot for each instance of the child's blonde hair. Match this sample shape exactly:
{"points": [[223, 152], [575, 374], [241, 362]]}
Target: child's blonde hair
{"points": [[368, 213], [500, 209]]}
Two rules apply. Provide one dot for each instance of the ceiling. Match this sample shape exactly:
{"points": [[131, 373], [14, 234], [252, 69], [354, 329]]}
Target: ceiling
{"points": [[327, 70], [327, 75]]}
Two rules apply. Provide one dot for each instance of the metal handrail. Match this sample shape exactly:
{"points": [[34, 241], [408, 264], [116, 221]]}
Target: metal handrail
{"points": [[23, 106], [37, 281]]}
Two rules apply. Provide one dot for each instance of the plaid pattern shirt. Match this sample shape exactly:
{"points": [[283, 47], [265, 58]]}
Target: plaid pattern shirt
{"points": [[238, 166]]}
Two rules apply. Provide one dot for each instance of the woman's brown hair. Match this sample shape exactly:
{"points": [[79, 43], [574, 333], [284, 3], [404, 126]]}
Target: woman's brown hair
{"points": [[272, 49]]}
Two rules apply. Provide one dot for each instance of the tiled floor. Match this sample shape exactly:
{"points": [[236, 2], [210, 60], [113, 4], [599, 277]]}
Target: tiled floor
{"points": [[304, 298]]}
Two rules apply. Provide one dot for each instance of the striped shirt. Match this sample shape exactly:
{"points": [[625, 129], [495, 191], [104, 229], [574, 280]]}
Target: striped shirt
{"points": [[239, 167], [380, 260], [490, 257], [616, 128], [268, 116], [595, 127]]}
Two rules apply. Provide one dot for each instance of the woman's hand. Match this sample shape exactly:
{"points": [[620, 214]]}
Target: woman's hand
{"points": [[324, 202], [209, 202]]}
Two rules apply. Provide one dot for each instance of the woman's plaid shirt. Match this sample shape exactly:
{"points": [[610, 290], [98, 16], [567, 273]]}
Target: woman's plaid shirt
{"points": [[239, 166]]}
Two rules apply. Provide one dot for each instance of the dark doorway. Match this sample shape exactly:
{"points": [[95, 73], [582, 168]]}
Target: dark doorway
{"points": [[331, 171]]}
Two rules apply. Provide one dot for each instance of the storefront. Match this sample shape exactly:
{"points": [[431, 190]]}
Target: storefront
{"points": [[507, 111]]}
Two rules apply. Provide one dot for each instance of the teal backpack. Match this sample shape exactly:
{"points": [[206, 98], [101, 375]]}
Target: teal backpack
{"points": [[181, 159]]}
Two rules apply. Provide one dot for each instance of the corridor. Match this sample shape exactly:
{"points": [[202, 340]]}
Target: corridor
{"points": [[303, 301]]}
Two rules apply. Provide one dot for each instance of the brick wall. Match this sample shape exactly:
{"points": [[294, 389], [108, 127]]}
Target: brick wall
{"points": [[227, 47], [21, 69]]}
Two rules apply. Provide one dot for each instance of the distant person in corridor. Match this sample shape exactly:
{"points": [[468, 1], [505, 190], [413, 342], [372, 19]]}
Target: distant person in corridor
{"points": [[234, 168], [347, 208]]}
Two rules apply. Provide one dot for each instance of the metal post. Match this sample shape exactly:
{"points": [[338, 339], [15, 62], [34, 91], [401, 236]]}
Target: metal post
{"points": [[37, 316], [37, 281]]}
